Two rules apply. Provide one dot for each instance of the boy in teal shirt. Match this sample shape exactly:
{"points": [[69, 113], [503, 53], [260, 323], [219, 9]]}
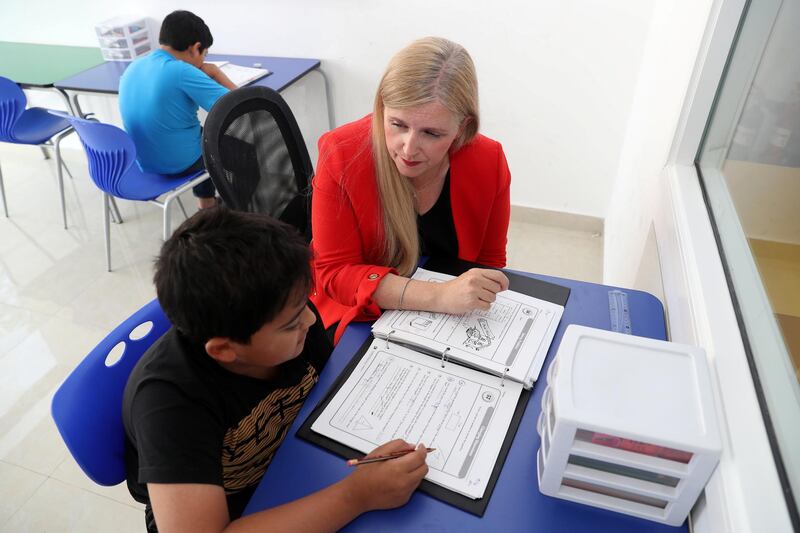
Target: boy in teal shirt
{"points": [[160, 93]]}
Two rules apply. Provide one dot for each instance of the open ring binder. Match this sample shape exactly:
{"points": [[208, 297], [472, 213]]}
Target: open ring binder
{"points": [[444, 355]]}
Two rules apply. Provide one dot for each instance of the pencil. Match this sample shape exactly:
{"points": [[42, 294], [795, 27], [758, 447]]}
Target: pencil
{"points": [[379, 458]]}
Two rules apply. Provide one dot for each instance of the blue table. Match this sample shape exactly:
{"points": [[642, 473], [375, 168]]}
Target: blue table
{"points": [[300, 468], [104, 78]]}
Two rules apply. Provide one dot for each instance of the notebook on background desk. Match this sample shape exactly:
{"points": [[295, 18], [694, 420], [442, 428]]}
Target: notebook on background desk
{"points": [[239, 75], [470, 415]]}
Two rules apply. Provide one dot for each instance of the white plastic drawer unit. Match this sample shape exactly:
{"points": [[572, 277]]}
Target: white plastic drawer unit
{"points": [[124, 39], [627, 424], [121, 27]]}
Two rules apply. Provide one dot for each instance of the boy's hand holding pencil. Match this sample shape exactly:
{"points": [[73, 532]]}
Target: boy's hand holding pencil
{"points": [[388, 475], [378, 458]]}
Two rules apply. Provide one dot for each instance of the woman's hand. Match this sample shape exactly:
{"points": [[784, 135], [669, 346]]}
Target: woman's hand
{"points": [[476, 288]]}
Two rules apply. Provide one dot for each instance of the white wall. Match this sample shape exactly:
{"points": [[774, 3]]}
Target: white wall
{"points": [[670, 53], [557, 79]]}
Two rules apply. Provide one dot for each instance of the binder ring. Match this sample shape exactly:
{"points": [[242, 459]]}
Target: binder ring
{"points": [[503, 378], [388, 338], [444, 355]]}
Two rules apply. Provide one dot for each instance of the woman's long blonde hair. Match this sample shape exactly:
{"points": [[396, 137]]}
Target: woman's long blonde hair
{"points": [[429, 69]]}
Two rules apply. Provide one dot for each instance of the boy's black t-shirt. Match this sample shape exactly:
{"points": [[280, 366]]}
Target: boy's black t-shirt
{"points": [[188, 420]]}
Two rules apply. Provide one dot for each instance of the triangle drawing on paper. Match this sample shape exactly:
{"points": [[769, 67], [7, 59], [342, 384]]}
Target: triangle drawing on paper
{"points": [[362, 424]]}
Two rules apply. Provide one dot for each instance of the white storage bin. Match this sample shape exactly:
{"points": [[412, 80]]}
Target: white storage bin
{"points": [[627, 424], [113, 42], [141, 49], [124, 38], [121, 26], [116, 54]]}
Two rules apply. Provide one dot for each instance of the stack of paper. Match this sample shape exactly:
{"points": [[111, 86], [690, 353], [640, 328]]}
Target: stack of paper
{"points": [[240, 75]]}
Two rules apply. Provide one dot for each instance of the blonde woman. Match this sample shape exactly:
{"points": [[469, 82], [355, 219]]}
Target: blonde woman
{"points": [[413, 178]]}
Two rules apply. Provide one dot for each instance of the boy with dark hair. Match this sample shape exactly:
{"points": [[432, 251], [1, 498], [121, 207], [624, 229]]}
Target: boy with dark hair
{"points": [[182, 29], [160, 93], [207, 406]]}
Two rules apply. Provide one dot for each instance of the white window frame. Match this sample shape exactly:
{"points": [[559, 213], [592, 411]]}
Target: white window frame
{"points": [[744, 493]]}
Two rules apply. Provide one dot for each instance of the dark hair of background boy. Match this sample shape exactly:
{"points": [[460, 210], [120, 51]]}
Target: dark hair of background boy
{"points": [[181, 29], [227, 273]]}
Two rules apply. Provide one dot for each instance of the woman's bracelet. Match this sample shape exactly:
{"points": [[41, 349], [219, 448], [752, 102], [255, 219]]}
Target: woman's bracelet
{"points": [[403, 293]]}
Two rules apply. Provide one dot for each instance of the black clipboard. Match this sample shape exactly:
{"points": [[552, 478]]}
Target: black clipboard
{"points": [[544, 290], [533, 287], [476, 507]]}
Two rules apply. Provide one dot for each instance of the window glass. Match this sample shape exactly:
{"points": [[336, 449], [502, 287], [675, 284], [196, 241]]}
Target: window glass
{"points": [[750, 168]]}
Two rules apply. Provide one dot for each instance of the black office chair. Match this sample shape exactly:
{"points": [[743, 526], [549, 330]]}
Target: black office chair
{"points": [[256, 156]]}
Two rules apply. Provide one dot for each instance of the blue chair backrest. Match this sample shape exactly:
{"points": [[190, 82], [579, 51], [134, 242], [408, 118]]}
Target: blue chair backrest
{"points": [[109, 149], [87, 408], [12, 105]]}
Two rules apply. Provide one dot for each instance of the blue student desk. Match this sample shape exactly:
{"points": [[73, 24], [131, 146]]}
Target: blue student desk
{"points": [[300, 468], [104, 78]]}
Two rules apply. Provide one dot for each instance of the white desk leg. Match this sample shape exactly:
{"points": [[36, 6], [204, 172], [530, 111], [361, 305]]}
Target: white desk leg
{"points": [[328, 101]]}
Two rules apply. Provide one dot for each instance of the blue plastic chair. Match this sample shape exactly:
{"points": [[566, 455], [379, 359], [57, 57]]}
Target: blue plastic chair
{"points": [[87, 408], [113, 168], [34, 126]]}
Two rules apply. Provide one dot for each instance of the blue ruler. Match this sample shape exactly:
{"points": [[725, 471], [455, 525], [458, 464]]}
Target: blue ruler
{"points": [[619, 311]]}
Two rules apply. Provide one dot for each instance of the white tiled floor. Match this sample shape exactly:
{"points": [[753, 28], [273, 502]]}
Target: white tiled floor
{"points": [[57, 301]]}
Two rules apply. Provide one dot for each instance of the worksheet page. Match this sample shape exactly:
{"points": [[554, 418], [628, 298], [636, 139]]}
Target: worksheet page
{"points": [[514, 334], [396, 393], [240, 75]]}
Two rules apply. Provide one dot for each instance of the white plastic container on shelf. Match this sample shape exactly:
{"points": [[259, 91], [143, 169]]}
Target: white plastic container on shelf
{"points": [[124, 38], [627, 424]]}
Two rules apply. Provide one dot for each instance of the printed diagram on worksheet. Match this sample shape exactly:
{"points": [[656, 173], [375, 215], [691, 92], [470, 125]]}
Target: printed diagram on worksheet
{"points": [[511, 338], [506, 324], [401, 394], [397, 399]]}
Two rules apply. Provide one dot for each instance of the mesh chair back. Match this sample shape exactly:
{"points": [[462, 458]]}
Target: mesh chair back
{"points": [[12, 105], [257, 158], [110, 152]]}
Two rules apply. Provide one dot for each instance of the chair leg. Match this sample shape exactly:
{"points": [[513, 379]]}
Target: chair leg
{"points": [[115, 214], [61, 180], [69, 173], [107, 229], [175, 194], [44, 151], [3, 193], [180, 203], [167, 205]]}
